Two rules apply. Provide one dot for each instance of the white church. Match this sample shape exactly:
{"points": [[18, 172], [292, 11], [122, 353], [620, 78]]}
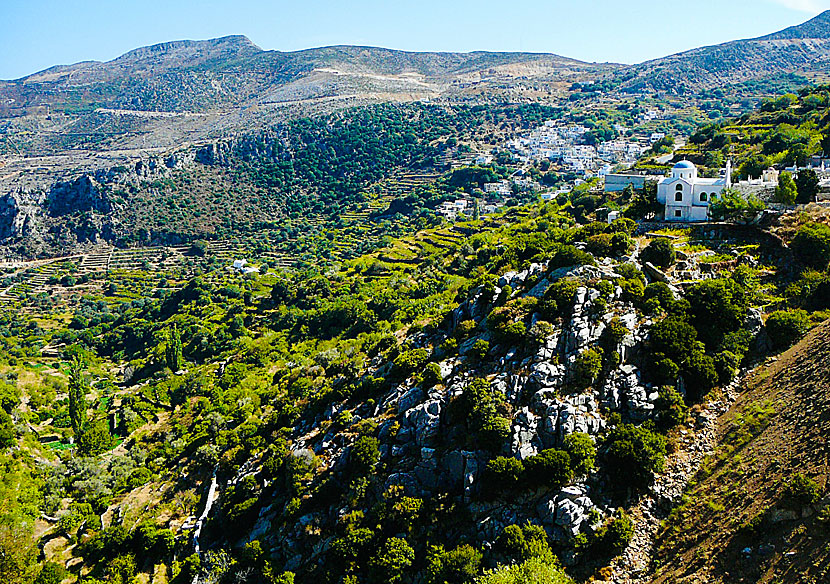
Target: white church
{"points": [[686, 196]]}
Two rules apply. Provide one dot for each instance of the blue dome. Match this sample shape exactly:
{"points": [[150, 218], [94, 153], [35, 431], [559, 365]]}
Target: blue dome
{"points": [[684, 164]]}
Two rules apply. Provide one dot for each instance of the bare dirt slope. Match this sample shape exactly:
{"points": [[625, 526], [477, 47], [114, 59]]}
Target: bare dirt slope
{"points": [[739, 522]]}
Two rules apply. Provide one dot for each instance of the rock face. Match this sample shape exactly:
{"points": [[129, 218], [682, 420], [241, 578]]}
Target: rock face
{"points": [[80, 195]]}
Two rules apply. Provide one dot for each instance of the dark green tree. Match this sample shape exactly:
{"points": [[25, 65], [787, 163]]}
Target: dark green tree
{"points": [[173, 350], [78, 388], [807, 185]]}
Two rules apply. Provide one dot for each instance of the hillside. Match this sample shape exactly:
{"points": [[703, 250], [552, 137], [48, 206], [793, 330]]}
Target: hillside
{"points": [[803, 49], [463, 404], [749, 515]]}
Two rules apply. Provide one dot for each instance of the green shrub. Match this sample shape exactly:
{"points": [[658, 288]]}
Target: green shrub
{"points": [[431, 375], [659, 252], [633, 455], [787, 327], [614, 537], [522, 543], [811, 245], [503, 474], [582, 451], [586, 368], [801, 491], [671, 409], [460, 565], [392, 561], [550, 468], [727, 365], [364, 455], [408, 362], [480, 349]]}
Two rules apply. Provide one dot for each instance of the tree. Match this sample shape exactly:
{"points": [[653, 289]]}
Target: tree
{"points": [[173, 351], [786, 191], [94, 439], [533, 571], [717, 307], [659, 252], [730, 205], [550, 468], [811, 245], [51, 573], [806, 183], [634, 454], [586, 368], [582, 450], [392, 560], [7, 433], [78, 388]]}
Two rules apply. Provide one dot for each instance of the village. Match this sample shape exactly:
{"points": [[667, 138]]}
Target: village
{"points": [[565, 149]]}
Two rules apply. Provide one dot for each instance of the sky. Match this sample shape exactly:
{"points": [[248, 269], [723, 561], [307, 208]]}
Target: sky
{"points": [[36, 34]]}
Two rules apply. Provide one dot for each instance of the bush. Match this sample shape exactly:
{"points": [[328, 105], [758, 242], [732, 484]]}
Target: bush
{"points": [[582, 451], [51, 573], [633, 455], [533, 571], [671, 409], [480, 349], [558, 300], [659, 252], [586, 368], [354, 547], [522, 543], [503, 474], [408, 362], [431, 375], [364, 455], [392, 560], [801, 491], [727, 365], [550, 468], [567, 256], [811, 245], [614, 537], [459, 565], [786, 327], [700, 375], [717, 307]]}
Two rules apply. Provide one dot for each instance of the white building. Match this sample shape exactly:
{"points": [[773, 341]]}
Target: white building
{"points": [[686, 196]]}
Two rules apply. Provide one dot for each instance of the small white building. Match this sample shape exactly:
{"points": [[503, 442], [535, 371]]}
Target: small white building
{"points": [[686, 196]]}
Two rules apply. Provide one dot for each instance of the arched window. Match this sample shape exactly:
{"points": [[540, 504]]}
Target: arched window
{"points": [[679, 188], [678, 196], [704, 197]]}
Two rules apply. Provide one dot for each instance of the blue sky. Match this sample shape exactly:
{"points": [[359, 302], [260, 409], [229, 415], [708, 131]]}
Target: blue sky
{"points": [[35, 34]]}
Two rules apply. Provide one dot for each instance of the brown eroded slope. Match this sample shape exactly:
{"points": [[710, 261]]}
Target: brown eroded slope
{"points": [[738, 523]]}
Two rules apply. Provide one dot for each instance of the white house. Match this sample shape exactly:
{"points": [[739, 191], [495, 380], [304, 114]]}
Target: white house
{"points": [[686, 196]]}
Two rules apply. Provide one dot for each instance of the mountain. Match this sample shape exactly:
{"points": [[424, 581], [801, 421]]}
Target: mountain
{"points": [[200, 76], [803, 49]]}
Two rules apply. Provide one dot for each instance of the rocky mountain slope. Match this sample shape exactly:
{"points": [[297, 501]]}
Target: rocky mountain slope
{"points": [[803, 49]]}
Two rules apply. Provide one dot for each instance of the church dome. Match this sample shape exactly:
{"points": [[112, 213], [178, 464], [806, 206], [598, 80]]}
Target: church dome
{"points": [[684, 165]]}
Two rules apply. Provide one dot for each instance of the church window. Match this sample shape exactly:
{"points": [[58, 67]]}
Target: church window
{"points": [[679, 188], [678, 213], [678, 197], [704, 197]]}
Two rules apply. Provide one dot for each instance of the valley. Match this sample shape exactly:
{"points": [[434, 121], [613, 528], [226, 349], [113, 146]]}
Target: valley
{"points": [[352, 315]]}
